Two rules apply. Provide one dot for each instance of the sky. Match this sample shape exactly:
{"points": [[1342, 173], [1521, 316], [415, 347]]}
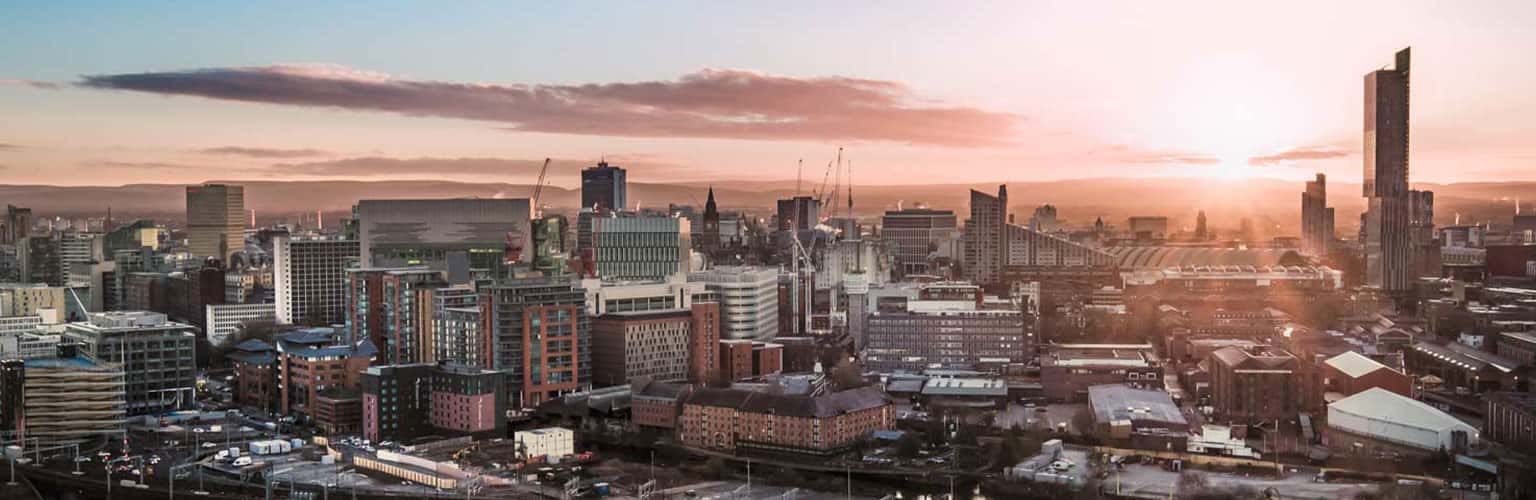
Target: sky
{"points": [[107, 93]]}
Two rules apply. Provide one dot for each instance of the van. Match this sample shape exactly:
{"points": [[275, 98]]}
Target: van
{"points": [[242, 461]]}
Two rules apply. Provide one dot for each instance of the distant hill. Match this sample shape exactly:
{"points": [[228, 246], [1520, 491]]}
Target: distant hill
{"points": [[1272, 204]]}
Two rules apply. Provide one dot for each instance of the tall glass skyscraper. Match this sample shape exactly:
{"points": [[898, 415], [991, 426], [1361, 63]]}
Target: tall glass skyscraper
{"points": [[1388, 245]]}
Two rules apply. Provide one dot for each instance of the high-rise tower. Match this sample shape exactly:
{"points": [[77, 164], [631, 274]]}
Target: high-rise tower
{"points": [[1388, 244], [1316, 217], [216, 220], [985, 240], [604, 188]]}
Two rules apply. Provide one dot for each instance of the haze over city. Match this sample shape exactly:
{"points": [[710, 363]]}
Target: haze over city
{"points": [[768, 250]]}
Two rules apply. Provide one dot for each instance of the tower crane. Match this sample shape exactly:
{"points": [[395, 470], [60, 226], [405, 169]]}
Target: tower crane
{"points": [[538, 188]]}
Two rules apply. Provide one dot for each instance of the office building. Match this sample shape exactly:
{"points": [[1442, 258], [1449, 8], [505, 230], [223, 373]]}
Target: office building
{"points": [[405, 402], [393, 309], [1202, 231], [1148, 227], [540, 336], [312, 362], [133, 236], [986, 245], [461, 235], [604, 188], [77, 251], [1044, 219], [1388, 243], [916, 234], [640, 247], [1421, 226], [254, 363], [38, 260], [1316, 218], [309, 274], [949, 326], [822, 425], [156, 355], [224, 321], [748, 298], [626, 346], [216, 220], [17, 225], [801, 213]]}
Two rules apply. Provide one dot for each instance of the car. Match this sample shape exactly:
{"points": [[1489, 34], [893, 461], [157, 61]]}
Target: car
{"points": [[1041, 409], [210, 444], [82, 458]]}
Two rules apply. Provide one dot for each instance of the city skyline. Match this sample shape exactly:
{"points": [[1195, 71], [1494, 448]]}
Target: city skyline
{"points": [[990, 93]]}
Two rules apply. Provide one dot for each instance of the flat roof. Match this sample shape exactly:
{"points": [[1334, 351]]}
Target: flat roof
{"points": [[1117, 402], [944, 386]]}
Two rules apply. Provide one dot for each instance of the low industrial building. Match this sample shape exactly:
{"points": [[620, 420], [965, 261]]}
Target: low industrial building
{"points": [[1068, 370], [550, 442], [655, 404], [974, 393], [1121, 412], [1381, 419]]}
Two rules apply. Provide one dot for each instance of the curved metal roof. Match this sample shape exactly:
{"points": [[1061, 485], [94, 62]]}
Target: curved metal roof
{"points": [[1163, 257]]}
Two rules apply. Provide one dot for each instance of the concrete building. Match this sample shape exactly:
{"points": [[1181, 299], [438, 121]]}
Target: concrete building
{"points": [[823, 425], [952, 326], [60, 400], [225, 320], [402, 403], [1389, 251], [798, 214], [986, 246], [917, 233], [77, 251], [1262, 384], [1148, 227], [459, 337], [156, 355], [549, 442], [309, 275], [1068, 370], [20, 299], [1317, 230], [604, 188], [461, 236], [748, 297], [216, 220], [17, 225], [641, 247], [540, 336]]}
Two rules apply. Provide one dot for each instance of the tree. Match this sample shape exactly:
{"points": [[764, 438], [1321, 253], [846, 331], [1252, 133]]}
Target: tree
{"points": [[908, 445], [847, 375]]}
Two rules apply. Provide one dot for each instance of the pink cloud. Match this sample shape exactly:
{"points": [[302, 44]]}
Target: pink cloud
{"points": [[729, 104]]}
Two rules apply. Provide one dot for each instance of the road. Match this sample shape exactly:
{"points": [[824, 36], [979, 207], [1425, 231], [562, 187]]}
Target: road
{"points": [[1153, 482]]}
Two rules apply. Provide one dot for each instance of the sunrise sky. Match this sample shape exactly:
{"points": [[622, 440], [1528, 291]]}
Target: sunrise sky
{"points": [[108, 93]]}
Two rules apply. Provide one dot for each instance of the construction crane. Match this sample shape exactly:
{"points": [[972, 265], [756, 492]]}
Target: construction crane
{"points": [[538, 188]]}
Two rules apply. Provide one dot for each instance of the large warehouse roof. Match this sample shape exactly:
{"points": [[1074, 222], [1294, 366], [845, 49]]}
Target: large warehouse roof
{"points": [[1382, 404], [1163, 257], [1354, 364], [1117, 402]]}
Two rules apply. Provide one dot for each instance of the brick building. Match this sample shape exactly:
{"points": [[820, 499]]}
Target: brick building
{"points": [[255, 366], [744, 359], [310, 362], [641, 344], [1350, 373], [403, 403], [739, 421], [1264, 383], [656, 405]]}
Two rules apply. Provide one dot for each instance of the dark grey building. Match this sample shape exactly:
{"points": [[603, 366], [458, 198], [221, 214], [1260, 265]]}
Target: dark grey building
{"points": [[604, 188], [916, 232], [1389, 252], [986, 246], [456, 235], [156, 355], [1316, 217]]}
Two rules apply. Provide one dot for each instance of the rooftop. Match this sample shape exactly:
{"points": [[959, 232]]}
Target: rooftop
{"points": [[944, 386], [822, 406], [1384, 405], [1354, 364], [1118, 402]]}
